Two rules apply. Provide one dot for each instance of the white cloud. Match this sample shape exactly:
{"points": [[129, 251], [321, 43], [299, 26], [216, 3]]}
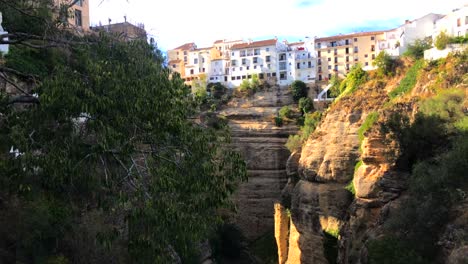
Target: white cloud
{"points": [[176, 22]]}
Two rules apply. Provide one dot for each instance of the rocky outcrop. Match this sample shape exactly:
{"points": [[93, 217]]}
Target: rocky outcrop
{"points": [[319, 201], [261, 143]]}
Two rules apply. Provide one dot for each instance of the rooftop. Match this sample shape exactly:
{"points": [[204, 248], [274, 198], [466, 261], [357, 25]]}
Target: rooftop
{"points": [[352, 35], [255, 44]]}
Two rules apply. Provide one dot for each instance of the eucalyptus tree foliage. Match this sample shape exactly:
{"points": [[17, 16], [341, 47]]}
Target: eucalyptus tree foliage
{"points": [[111, 138]]}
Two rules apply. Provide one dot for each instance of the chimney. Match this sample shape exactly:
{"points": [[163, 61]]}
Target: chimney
{"points": [[125, 19], [407, 21]]}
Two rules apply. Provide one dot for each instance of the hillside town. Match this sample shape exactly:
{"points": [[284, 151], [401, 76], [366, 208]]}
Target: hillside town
{"points": [[313, 60]]}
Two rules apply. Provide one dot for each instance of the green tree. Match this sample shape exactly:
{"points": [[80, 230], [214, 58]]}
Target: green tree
{"points": [[416, 49], [285, 112], [385, 64], [109, 137], [299, 90], [355, 78], [441, 40], [335, 82], [306, 105]]}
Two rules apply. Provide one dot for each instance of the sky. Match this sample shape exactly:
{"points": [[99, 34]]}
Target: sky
{"points": [[175, 22]]}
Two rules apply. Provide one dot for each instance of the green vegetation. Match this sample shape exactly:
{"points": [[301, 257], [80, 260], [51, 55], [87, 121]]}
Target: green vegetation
{"points": [[434, 150], [409, 81], [306, 105], [310, 123], [367, 124], [386, 65], [110, 167], [265, 249], [299, 90], [250, 86], [335, 81], [355, 78], [285, 112], [278, 121], [416, 49], [441, 40]]}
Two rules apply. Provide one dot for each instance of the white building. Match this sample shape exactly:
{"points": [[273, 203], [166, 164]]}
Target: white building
{"points": [[302, 61], [396, 41], [454, 24], [267, 58], [198, 62]]}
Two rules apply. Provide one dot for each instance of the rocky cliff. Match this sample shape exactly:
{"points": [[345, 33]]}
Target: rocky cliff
{"points": [[316, 204], [261, 143]]}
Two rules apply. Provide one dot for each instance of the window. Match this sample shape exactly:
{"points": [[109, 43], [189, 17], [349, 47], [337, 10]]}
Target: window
{"points": [[233, 69], [336, 59], [255, 59], [268, 74], [373, 56], [268, 58], [242, 53], [329, 67], [282, 76], [347, 58], [318, 54], [185, 52], [203, 69], [319, 62], [365, 55], [355, 49], [372, 38], [240, 68], [282, 56], [320, 69], [260, 76], [373, 48], [309, 64], [233, 78], [78, 21], [191, 71], [335, 51], [244, 61], [282, 65], [347, 42], [347, 50], [347, 67], [273, 74], [249, 76], [79, 3], [298, 65], [185, 58], [256, 51], [247, 68], [269, 66], [202, 60], [238, 77], [243, 77], [329, 51], [329, 76], [355, 39], [458, 22], [367, 64], [195, 61], [173, 66], [255, 67], [320, 77], [232, 54], [267, 49], [336, 67], [329, 59]]}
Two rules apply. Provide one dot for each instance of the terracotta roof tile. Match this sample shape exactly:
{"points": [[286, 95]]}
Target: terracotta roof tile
{"points": [[186, 46], [352, 35], [255, 44]]}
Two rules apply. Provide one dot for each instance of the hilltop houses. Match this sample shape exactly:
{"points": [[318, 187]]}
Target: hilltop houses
{"points": [[314, 60]]}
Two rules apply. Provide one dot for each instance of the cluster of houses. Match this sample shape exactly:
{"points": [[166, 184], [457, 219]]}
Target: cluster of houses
{"points": [[313, 60]]}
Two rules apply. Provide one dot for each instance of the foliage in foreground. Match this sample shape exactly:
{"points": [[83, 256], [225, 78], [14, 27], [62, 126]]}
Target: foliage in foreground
{"points": [[108, 166]]}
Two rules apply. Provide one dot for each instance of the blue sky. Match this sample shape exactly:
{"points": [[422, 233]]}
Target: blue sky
{"points": [[175, 22]]}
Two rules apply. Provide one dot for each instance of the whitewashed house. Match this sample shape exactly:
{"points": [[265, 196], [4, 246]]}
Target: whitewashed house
{"points": [[302, 61], [454, 24], [198, 63]]}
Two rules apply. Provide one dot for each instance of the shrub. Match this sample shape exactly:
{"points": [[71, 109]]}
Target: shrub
{"points": [[385, 64], [391, 250], [367, 124], [416, 50], [278, 121], [441, 40], [409, 81], [285, 112], [310, 123], [217, 90], [335, 81], [294, 143], [306, 105], [299, 90], [355, 78]]}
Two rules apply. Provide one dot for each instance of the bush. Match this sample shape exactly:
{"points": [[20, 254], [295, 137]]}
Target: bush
{"points": [[335, 81], [409, 81], [385, 64], [278, 121], [416, 50], [217, 90], [294, 143], [306, 105], [310, 123], [441, 41], [355, 78], [391, 250], [367, 124], [285, 112], [299, 90]]}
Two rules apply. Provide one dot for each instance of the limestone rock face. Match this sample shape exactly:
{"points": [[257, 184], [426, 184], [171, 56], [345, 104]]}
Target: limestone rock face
{"points": [[261, 144], [332, 151]]}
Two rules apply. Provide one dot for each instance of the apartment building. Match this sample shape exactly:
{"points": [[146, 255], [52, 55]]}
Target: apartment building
{"points": [[199, 63], [301, 61], [454, 24], [337, 54], [267, 58], [79, 11], [179, 57]]}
